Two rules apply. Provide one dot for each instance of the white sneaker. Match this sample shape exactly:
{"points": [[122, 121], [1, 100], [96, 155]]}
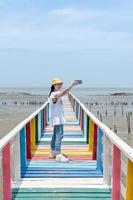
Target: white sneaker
{"points": [[61, 158]]}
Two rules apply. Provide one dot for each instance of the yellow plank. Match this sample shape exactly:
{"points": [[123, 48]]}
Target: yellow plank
{"points": [[63, 151], [32, 126], [91, 135], [129, 181]]}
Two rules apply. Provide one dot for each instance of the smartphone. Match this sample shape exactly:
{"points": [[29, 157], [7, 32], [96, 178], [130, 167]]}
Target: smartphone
{"points": [[79, 81]]}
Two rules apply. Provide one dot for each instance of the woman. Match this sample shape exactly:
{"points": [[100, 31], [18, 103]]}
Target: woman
{"points": [[57, 117]]}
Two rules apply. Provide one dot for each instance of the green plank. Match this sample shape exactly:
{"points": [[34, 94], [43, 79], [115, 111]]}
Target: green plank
{"points": [[58, 198], [69, 190]]}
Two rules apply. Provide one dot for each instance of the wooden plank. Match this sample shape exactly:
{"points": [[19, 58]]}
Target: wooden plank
{"points": [[6, 158], [116, 173], [83, 183], [129, 180], [63, 193]]}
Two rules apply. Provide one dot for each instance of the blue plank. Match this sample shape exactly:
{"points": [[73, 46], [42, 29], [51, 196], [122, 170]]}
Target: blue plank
{"points": [[61, 176]]}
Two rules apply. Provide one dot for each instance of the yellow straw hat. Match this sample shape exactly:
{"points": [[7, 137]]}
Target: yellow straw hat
{"points": [[56, 81]]}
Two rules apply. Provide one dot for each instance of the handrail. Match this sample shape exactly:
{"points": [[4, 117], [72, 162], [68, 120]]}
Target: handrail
{"points": [[125, 148], [13, 132]]}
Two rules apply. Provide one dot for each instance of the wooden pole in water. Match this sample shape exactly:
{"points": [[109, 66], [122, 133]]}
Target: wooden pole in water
{"points": [[128, 123]]}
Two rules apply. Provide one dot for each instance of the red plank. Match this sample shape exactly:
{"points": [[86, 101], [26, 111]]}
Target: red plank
{"points": [[28, 141], [6, 158], [116, 173]]}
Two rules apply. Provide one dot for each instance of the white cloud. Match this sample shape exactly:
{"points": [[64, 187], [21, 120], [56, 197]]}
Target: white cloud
{"points": [[74, 13]]}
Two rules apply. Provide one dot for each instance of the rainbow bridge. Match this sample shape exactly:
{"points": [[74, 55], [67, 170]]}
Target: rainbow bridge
{"points": [[100, 167]]}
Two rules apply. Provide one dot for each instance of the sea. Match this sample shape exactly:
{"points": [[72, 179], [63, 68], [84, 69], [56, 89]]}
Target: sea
{"points": [[79, 90]]}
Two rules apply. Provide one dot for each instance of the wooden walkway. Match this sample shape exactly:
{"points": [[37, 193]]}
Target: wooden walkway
{"points": [[100, 167], [44, 178]]}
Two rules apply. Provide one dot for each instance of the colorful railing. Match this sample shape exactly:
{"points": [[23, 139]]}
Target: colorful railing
{"points": [[114, 157], [17, 147]]}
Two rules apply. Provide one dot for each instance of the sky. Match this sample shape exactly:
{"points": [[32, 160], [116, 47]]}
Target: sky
{"points": [[90, 40]]}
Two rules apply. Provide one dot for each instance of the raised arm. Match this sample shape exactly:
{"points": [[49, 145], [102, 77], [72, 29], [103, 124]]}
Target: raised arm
{"points": [[60, 94]]}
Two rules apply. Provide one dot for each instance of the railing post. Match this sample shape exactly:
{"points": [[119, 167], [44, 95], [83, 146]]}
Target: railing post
{"points": [[44, 119], [23, 149], [42, 127], [32, 124], [28, 141], [116, 173], [36, 128], [87, 129], [80, 118], [99, 150], [77, 110], [47, 114], [91, 135], [106, 160], [6, 166], [1, 177], [129, 180], [39, 126], [94, 153], [15, 158], [83, 120]]}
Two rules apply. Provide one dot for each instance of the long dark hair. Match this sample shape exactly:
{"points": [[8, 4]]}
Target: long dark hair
{"points": [[51, 90]]}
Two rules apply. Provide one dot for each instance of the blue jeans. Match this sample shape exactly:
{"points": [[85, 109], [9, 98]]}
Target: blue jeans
{"points": [[57, 138]]}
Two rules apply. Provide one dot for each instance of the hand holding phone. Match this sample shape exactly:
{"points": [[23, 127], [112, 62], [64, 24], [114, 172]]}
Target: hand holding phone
{"points": [[76, 82], [79, 81]]}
